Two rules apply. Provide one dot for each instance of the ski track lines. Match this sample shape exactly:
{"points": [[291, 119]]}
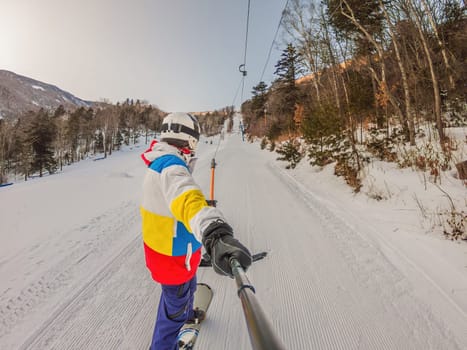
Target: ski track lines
{"points": [[333, 289], [306, 316], [224, 327], [78, 252], [404, 322], [313, 317], [105, 313]]}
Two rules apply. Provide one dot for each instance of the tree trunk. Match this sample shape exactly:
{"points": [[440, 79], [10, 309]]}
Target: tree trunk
{"points": [[440, 43], [315, 84], [436, 95], [407, 121], [379, 120], [333, 68], [462, 170], [104, 143], [349, 115]]}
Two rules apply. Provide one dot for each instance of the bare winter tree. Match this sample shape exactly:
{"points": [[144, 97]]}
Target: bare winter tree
{"points": [[303, 25], [417, 17], [5, 142], [107, 123], [400, 63]]}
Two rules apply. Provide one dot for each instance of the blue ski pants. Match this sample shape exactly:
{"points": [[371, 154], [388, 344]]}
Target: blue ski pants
{"points": [[175, 307]]}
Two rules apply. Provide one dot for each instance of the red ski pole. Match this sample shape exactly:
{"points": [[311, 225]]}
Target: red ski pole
{"points": [[211, 201]]}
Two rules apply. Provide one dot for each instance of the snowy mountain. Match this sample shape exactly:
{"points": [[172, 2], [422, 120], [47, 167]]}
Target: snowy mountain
{"points": [[19, 94]]}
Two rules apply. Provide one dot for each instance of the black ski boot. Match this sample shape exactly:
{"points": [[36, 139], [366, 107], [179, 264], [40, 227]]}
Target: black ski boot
{"points": [[198, 316]]}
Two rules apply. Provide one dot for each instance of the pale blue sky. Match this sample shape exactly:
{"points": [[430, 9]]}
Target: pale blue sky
{"points": [[177, 54]]}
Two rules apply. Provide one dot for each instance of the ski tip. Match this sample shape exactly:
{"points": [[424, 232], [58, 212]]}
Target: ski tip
{"points": [[204, 284]]}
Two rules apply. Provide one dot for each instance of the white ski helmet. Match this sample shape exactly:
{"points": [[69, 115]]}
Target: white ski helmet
{"points": [[181, 130]]}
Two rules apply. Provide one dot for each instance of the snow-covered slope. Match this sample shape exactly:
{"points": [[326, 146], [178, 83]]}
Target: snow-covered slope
{"points": [[339, 274]]}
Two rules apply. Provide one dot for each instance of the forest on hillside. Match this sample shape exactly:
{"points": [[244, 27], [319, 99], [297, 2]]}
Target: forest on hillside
{"points": [[43, 142], [359, 78]]}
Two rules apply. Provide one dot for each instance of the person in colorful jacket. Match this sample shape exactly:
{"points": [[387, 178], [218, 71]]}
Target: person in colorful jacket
{"points": [[176, 223]]}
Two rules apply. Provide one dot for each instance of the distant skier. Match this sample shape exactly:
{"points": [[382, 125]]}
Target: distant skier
{"points": [[176, 222]]}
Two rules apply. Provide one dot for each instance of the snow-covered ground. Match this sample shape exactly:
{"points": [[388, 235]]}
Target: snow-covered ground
{"points": [[343, 271]]}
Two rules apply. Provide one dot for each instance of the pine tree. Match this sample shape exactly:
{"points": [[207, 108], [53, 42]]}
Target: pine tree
{"points": [[73, 132], [258, 101], [21, 152], [287, 69], [3, 150], [59, 111], [42, 136]]}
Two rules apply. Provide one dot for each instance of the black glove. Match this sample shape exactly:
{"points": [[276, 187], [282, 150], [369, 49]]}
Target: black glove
{"points": [[221, 246]]}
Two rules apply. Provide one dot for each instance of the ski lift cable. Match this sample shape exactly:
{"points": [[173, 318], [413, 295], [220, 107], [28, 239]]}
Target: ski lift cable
{"points": [[243, 86], [241, 68], [243, 71], [236, 92], [246, 35], [274, 40]]}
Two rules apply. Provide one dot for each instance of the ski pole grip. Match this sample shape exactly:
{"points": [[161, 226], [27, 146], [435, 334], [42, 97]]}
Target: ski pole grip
{"points": [[262, 336]]}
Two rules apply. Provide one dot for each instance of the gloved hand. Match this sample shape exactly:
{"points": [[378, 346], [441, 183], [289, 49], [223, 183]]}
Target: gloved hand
{"points": [[221, 246]]}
